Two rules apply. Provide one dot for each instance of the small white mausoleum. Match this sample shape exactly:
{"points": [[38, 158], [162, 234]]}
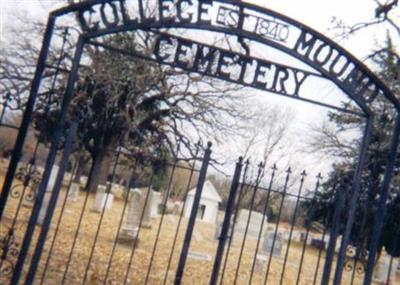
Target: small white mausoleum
{"points": [[208, 208]]}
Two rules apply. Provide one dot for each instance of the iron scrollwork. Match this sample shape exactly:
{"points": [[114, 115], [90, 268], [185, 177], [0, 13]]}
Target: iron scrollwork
{"points": [[356, 259], [9, 250], [30, 177]]}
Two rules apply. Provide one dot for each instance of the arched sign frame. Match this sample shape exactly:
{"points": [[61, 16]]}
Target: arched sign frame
{"points": [[309, 47]]}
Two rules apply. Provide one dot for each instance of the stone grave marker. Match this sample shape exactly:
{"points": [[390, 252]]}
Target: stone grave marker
{"points": [[73, 194], [155, 202], [218, 229], [102, 200], [269, 242], [318, 243], [254, 228], [46, 199], [199, 256], [129, 232], [146, 222], [52, 178], [261, 262], [382, 269]]}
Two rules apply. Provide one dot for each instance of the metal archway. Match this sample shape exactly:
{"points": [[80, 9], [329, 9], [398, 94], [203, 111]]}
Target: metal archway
{"points": [[248, 22]]}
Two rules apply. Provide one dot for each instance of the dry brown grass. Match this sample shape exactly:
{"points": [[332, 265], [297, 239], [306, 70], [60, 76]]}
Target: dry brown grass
{"points": [[196, 271]]}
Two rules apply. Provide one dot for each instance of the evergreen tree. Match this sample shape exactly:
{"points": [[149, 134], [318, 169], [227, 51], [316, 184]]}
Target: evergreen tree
{"points": [[321, 209]]}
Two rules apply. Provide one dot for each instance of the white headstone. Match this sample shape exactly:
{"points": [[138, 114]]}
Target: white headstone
{"points": [[52, 178], [261, 262], [43, 208], [102, 200], [268, 243], [146, 222], [255, 223], [154, 204], [73, 194], [199, 255], [218, 230], [381, 271], [130, 230]]}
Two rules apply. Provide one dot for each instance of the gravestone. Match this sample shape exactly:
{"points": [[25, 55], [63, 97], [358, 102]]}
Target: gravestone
{"points": [[102, 200], [218, 230], [46, 199], [318, 243], [303, 236], [117, 190], [256, 219], [199, 256], [52, 178], [73, 194], [129, 231], [155, 202], [177, 208], [146, 221], [269, 242], [382, 269], [261, 262]]}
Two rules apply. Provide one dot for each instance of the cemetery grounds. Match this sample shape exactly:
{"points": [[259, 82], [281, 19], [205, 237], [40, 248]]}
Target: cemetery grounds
{"points": [[199, 262]]}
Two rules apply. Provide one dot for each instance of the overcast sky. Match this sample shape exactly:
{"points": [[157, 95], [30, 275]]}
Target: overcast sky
{"points": [[314, 13]]}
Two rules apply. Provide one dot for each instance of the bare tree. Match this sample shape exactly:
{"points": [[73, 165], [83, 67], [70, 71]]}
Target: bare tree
{"points": [[143, 107]]}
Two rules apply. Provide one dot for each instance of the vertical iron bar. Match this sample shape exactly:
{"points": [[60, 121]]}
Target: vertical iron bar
{"points": [[232, 229], [58, 225], [288, 172], [135, 242], [274, 168], [307, 233], [303, 175], [226, 222], [52, 205], [257, 184], [192, 217], [160, 224], [49, 163], [379, 219], [3, 111], [353, 201], [19, 205], [180, 219], [23, 130], [76, 234], [120, 225], [334, 232], [316, 272], [103, 210]]}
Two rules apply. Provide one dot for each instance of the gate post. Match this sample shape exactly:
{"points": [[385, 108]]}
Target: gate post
{"points": [[225, 225], [26, 119], [49, 163], [52, 204], [193, 214], [379, 219], [334, 231], [353, 201]]}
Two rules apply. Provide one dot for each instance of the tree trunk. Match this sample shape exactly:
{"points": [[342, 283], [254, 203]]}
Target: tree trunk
{"points": [[102, 162], [79, 169]]}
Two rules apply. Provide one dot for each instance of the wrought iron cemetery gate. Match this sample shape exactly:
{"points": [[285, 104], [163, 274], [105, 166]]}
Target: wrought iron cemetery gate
{"points": [[255, 28]]}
